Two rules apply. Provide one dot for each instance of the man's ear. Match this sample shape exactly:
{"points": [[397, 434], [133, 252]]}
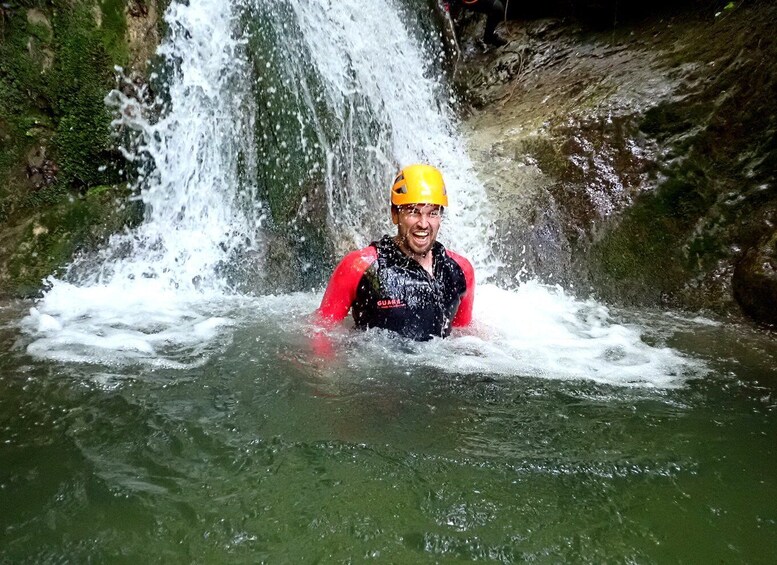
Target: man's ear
{"points": [[394, 214]]}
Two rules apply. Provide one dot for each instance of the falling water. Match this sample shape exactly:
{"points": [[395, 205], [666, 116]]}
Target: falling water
{"points": [[198, 185], [155, 289], [332, 93], [371, 62]]}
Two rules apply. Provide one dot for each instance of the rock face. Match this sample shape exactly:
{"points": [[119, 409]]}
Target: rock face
{"points": [[57, 63], [42, 244], [637, 163], [755, 281]]}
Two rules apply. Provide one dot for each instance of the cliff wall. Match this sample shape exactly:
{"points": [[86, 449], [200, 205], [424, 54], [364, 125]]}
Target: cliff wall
{"points": [[63, 184], [634, 157]]}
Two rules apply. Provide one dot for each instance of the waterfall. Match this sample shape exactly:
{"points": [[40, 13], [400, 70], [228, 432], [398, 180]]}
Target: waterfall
{"points": [[359, 93], [268, 103], [369, 57], [198, 188], [383, 107], [154, 289]]}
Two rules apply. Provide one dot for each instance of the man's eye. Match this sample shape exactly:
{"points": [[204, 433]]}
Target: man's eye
{"points": [[417, 213]]}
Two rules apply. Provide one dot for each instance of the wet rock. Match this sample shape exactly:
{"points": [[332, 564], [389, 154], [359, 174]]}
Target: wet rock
{"points": [[36, 17], [36, 157], [138, 8], [642, 158], [558, 129], [56, 153], [142, 32], [41, 171], [755, 281], [45, 243]]}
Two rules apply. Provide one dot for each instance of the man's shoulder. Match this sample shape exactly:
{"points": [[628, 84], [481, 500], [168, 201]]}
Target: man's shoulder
{"points": [[459, 258], [360, 259], [352, 267], [461, 261]]}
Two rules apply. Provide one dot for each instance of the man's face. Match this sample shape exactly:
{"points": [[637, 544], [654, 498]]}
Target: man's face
{"points": [[417, 226]]}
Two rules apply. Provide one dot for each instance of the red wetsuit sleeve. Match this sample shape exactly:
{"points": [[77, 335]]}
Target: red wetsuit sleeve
{"points": [[341, 290], [463, 315]]}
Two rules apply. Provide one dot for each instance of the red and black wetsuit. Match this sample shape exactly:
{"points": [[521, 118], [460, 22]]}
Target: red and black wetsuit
{"points": [[385, 288]]}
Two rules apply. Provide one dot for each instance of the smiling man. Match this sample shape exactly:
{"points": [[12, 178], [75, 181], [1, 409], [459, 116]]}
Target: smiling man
{"points": [[408, 283]]}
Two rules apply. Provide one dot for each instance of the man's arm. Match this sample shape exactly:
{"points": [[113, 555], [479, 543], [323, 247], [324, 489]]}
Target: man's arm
{"points": [[339, 295], [341, 290], [463, 315]]}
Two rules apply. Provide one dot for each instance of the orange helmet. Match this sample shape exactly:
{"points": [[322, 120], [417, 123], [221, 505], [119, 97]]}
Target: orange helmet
{"points": [[419, 184]]}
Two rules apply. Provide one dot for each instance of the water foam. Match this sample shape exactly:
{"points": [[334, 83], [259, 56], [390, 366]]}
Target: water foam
{"points": [[547, 333], [149, 326], [158, 296], [541, 331]]}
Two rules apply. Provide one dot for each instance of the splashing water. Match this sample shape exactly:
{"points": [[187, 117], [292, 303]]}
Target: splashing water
{"points": [[198, 195], [160, 285], [367, 89]]}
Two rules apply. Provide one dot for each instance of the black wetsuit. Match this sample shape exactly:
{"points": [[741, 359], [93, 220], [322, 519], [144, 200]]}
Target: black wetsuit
{"points": [[396, 293], [384, 288]]}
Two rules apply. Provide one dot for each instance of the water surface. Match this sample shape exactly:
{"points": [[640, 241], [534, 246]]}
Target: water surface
{"points": [[264, 452]]}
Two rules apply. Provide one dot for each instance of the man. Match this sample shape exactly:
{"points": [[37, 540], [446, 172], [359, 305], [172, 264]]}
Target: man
{"points": [[408, 283], [495, 13]]}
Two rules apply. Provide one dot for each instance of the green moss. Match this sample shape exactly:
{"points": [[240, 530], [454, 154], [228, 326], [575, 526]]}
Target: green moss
{"points": [[642, 243], [82, 76], [49, 242], [22, 80], [54, 74], [41, 254], [23, 106], [97, 191], [547, 154], [161, 24], [646, 256], [114, 30], [41, 33]]}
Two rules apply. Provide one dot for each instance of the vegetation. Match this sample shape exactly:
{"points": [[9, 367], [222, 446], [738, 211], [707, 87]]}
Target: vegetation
{"points": [[57, 60]]}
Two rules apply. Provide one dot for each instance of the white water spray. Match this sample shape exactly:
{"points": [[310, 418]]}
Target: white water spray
{"points": [[199, 207], [166, 301], [155, 288]]}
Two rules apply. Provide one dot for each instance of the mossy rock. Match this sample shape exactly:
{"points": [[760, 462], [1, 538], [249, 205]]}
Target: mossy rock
{"points": [[638, 262], [58, 163], [46, 243], [57, 63]]}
